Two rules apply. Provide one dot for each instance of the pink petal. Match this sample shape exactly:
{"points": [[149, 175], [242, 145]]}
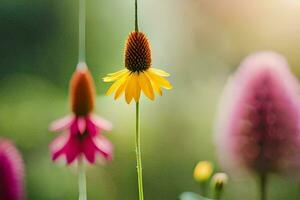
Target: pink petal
{"points": [[74, 128], [61, 124], [104, 146], [91, 128], [58, 142], [101, 123], [71, 149], [89, 149], [81, 123]]}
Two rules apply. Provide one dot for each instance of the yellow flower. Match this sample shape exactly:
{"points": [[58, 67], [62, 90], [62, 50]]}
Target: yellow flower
{"points": [[203, 171], [139, 74]]}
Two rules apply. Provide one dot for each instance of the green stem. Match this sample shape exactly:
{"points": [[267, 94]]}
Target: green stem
{"points": [[203, 188], [298, 183], [217, 195], [82, 22], [136, 17], [138, 154], [263, 186], [82, 181]]}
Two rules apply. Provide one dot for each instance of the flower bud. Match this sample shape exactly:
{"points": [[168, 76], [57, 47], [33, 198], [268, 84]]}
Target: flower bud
{"points": [[218, 182], [82, 91], [203, 171]]}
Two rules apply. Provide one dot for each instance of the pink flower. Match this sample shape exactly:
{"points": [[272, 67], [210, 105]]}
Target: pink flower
{"points": [[82, 137], [258, 126], [11, 172]]}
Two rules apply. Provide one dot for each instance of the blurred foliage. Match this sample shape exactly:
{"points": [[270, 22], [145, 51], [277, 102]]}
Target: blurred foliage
{"points": [[199, 42], [191, 196]]}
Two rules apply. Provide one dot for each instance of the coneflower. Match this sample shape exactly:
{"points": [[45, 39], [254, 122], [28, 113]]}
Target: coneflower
{"points": [[258, 127], [82, 138], [138, 75], [11, 172]]}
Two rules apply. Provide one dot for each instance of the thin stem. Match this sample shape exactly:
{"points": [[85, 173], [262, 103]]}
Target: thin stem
{"points": [[298, 191], [82, 22], [217, 194], [136, 17], [138, 154], [82, 181], [203, 188], [263, 186]]}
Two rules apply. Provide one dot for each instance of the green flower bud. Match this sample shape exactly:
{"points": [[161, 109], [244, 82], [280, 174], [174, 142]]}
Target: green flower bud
{"points": [[218, 182]]}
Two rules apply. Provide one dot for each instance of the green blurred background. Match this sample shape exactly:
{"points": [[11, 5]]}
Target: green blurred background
{"points": [[200, 42]]}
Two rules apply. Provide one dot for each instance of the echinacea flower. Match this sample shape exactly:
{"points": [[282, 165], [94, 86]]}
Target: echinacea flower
{"points": [[138, 75], [258, 127], [11, 172], [82, 130]]}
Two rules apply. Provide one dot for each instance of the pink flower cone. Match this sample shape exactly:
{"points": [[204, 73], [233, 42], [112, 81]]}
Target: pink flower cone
{"points": [[258, 125], [11, 172], [82, 136]]}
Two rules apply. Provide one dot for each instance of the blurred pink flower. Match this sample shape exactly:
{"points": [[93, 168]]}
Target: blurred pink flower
{"points": [[82, 137], [11, 172], [258, 124]]}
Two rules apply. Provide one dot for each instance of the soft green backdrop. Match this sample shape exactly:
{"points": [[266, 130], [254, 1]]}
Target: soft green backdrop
{"points": [[200, 42]]}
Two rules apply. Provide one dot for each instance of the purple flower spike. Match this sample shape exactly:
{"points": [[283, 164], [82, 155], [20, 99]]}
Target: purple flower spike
{"points": [[258, 125], [11, 172]]}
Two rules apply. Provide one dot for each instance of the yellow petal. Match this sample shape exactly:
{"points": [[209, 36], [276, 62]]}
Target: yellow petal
{"points": [[159, 72], [120, 90], [146, 85], [115, 73], [159, 80], [115, 76], [137, 92], [130, 88], [118, 83], [155, 86]]}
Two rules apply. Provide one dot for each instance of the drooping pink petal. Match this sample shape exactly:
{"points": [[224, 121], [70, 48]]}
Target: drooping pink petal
{"points": [[61, 124], [11, 172], [58, 143], [258, 125], [74, 130], [81, 124], [91, 128], [101, 123], [104, 146], [79, 140], [71, 149], [89, 149]]}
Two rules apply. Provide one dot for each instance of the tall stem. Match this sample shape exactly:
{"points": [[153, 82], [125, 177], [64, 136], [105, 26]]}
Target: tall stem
{"points": [[81, 58], [82, 181], [263, 186], [138, 154], [136, 17], [82, 21]]}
